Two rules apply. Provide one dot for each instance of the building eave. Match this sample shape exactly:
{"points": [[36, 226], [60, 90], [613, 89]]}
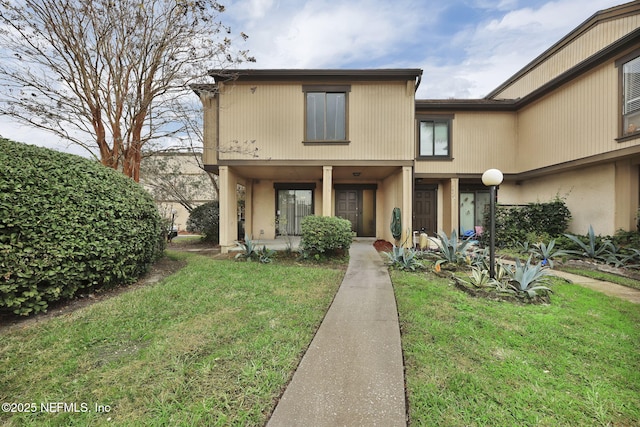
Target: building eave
{"points": [[278, 75]]}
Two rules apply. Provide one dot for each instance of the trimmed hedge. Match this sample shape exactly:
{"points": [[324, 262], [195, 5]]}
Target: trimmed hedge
{"points": [[205, 219], [68, 223], [518, 223], [325, 235]]}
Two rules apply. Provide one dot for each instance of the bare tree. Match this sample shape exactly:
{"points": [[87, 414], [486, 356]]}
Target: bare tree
{"points": [[107, 74], [178, 176]]}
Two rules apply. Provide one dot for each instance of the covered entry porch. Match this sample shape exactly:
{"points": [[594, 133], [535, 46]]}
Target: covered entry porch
{"points": [[278, 195]]}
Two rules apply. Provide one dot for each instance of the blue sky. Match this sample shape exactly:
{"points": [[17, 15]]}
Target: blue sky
{"points": [[466, 48]]}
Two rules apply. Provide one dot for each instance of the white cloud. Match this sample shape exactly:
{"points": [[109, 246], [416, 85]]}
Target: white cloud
{"points": [[496, 49], [323, 34]]}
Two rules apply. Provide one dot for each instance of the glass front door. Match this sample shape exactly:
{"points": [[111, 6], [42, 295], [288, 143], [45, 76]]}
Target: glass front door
{"points": [[293, 205]]}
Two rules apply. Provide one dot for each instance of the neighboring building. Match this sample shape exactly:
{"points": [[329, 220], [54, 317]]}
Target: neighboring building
{"points": [[176, 181], [356, 143]]}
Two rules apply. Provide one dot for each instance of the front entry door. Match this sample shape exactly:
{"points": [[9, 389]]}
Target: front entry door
{"points": [[358, 205], [424, 210], [348, 206]]}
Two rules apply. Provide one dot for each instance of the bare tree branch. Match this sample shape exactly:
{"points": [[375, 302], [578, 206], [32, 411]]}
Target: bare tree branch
{"points": [[106, 74]]}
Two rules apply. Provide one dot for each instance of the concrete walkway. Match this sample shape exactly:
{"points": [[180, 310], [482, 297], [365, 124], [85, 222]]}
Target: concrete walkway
{"points": [[607, 288], [352, 374]]}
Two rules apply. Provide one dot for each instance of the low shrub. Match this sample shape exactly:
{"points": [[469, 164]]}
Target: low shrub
{"points": [[68, 223], [325, 235], [205, 220]]}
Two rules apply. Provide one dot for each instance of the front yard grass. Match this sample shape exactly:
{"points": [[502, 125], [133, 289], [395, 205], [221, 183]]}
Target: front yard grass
{"points": [[213, 344], [476, 362]]}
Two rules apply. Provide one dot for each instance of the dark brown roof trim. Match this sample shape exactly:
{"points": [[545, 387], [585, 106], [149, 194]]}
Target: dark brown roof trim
{"points": [[464, 105], [622, 10], [317, 74]]}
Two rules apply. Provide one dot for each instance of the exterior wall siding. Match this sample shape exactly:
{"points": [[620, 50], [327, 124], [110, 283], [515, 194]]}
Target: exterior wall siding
{"points": [[479, 141], [579, 49], [269, 118], [579, 121]]}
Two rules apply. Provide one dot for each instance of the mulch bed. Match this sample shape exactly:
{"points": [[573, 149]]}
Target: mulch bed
{"points": [[496, 296], [382, 246]]}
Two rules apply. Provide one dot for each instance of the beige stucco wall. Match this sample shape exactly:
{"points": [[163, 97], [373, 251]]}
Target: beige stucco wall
{"points": [[590, 195]]}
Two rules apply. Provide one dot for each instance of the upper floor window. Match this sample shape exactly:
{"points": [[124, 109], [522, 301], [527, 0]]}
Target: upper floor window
{"points": [[434, 137], [631, 96], [326, 113]]}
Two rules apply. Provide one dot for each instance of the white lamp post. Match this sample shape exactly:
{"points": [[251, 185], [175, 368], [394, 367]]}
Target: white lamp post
{"points": [[492, 178]]}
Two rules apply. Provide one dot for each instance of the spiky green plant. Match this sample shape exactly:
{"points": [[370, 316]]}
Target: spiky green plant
{"points": [[248, 249], [451, 249], [529, 279], [592, 249], [546, 252], [403, 258]]}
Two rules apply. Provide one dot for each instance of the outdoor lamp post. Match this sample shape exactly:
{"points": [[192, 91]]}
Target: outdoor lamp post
{"points": [[492, 178]]}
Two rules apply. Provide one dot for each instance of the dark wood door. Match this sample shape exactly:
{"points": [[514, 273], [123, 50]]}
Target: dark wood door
{"points": [[425, 210], [348, 207]]}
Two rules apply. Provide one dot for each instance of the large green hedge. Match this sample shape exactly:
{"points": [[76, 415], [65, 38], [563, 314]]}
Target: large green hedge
{"points": [[68, 223], [205, 219]]}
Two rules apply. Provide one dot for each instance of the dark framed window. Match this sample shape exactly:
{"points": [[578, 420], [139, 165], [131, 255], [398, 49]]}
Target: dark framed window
{"points": [[293, 202], [326, 113], [434, 137], [631, 96]]}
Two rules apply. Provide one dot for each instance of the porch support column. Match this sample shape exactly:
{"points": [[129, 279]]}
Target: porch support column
{"points": [[626, 195], [451, 210], [327, 186], [248, 208], [228, 209], [407, 205]]}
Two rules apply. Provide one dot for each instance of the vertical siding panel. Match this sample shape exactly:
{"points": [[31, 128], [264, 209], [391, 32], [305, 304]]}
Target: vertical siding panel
{"points": [[380, 120], [577, 122]]}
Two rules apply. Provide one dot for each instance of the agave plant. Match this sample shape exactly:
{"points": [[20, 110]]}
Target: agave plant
{"points": [[248, 249], [480, 278], [451, 249], [592, 249], [403, 258], [545, 253], [529, 278]]}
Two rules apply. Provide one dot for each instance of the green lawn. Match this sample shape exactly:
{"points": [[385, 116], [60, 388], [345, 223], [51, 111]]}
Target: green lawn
{"points": [[214, 344], [474, 362]]}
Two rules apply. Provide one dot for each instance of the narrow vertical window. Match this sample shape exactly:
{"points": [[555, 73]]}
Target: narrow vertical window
{"points": [[631, 96]]}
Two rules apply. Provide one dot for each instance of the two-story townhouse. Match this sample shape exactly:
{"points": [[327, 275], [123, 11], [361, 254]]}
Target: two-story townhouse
{"points": [[356, 143], [326, 142]]}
